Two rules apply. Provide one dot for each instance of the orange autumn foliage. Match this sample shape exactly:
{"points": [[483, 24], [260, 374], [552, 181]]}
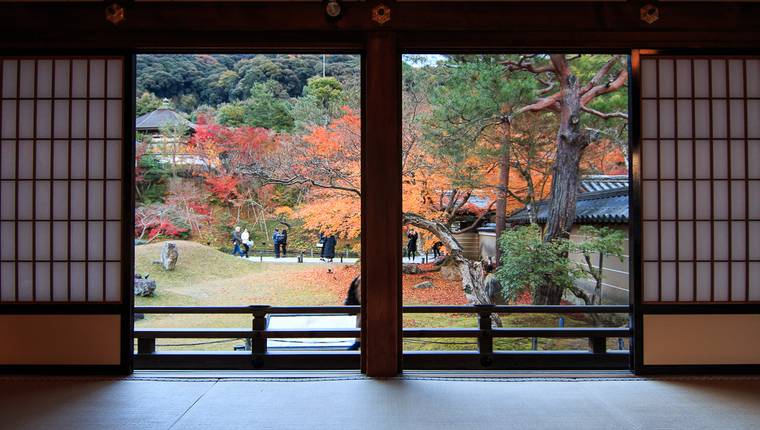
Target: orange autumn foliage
{"points": [[604, 157], [330, 157]]}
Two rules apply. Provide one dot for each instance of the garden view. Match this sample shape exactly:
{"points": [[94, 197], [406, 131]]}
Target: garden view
{"points": [[514, 182]]}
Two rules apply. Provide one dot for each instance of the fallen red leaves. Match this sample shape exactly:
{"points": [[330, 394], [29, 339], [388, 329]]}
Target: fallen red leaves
{"points": [[444, 292], [336, 281]]}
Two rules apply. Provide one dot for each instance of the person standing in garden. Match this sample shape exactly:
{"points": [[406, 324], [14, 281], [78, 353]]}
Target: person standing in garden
{"points": [[284, 242], [236, 241], [328, 248], [277, 239], [245, 239], [411, 246], [437, 249]]}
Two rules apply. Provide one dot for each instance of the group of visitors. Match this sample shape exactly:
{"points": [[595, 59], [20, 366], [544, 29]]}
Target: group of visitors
{"points": [[328, 245], [241, 242], [411, 245], [280, 240]]}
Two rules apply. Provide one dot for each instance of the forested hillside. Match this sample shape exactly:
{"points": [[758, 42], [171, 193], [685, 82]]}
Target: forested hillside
{"points": [[191, 81]]}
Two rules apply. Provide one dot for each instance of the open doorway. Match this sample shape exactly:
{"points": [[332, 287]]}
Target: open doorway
{"points": [[247, 205], [515, 191]]}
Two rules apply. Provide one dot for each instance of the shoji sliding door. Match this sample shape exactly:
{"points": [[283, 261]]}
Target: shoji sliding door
{"points": [[62, 211], [698, 174]]}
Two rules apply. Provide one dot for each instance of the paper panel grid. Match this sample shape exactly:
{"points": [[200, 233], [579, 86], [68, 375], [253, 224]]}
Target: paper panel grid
{"points": [[61, 136], [699, 168]]}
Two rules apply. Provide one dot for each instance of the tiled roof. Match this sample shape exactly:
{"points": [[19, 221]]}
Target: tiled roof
{"points": [[159, 118], [602, 200], [593, 183], [599, 207]]}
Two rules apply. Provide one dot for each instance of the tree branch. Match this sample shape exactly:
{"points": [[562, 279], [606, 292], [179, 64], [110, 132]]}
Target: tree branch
{"points": [[577, 292], [302, 180], [600, 74], [547, 103], [477, 220], [605, 115], [439, 230], [527, 66], [616, 84]]}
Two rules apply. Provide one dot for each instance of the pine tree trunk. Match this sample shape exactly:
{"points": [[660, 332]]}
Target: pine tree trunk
{"points": [[565, 182], [571, 143], [548, 294], [501, 203]]}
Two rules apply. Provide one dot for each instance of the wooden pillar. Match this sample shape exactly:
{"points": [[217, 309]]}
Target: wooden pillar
{"points": [[381, 208]]}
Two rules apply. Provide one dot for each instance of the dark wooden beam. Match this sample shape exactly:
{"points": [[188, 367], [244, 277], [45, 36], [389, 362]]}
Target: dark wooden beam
{"points": [[257, 25], [381, 207]]}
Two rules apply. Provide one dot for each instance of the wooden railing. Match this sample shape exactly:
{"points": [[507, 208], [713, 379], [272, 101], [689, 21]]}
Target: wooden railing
{"points": [[597, 356]]}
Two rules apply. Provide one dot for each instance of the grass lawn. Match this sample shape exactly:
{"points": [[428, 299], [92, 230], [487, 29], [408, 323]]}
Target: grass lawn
{"points": [[207, 277]]}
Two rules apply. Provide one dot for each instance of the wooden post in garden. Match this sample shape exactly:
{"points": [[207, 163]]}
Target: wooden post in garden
{"points": [[259, 341], [485, 338]]}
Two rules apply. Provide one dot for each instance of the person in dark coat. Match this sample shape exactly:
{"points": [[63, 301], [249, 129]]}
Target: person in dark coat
{"points": [[236, 242], [411, 246], [284, 242], [437, 249], [328, 248], [277, 239], [354, 297]]}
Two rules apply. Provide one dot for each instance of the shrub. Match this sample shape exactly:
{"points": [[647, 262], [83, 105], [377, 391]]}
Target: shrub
{"points": [[527, 262]]}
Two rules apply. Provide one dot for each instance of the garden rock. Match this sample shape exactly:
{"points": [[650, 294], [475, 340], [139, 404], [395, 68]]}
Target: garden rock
{"points": [[451, 272], [426, 284], [411, 269], [169, 256], [493, 290], [144, 287]]}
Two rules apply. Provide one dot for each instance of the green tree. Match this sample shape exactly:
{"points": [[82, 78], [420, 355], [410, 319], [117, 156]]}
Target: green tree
{"points": [[173, 136], [150, 178], [321, 102], [187, 102], [528, 262], [262, 69], [599, 243], [325, 90], [202, 111], [265, 109], [472, 106], [231, 114], [147, 102]]}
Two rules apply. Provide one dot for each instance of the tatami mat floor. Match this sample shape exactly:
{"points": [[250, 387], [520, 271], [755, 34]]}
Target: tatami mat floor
{"points": [[346, 400]]}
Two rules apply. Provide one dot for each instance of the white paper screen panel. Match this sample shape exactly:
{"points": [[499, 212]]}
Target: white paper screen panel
{"points": [[60, 189], [700, 174]]}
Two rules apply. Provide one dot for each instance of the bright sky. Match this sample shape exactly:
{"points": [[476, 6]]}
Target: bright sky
{"points": [[422, 60]]}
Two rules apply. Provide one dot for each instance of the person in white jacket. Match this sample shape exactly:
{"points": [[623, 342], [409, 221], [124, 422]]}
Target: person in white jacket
{"points": [[246, 239]]}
